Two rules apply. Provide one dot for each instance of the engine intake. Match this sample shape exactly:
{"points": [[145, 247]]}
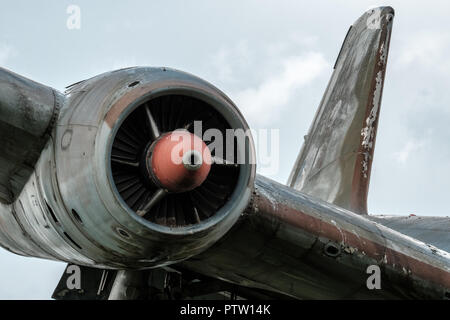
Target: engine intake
{"points": [[144, 170]]}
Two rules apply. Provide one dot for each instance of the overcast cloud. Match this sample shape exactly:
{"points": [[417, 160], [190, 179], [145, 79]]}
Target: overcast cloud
{"points": [[274, 59]]}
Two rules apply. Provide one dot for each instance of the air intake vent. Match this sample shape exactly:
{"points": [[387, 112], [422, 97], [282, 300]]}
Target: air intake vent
{"points": [[129, 162]]}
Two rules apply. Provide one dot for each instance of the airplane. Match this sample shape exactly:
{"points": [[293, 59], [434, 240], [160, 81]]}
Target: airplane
{"points": [[123, 177]]}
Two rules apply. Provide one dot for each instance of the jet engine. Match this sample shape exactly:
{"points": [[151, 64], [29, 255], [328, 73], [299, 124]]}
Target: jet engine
{"points": [[107, 186]]}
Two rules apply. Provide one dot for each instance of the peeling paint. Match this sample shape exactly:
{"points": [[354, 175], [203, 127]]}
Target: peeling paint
{"points": [[383, 55], [368, 132]]}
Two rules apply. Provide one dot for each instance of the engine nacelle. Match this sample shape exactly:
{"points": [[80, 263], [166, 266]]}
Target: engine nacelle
{"points": [[96, 197]]}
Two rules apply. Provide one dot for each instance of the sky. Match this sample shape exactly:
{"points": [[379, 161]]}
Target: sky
{"points": [[273, 59]]}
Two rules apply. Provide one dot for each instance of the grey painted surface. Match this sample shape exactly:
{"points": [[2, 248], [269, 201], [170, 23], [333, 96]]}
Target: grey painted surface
{"points": [[28, 111], [432, 230]]}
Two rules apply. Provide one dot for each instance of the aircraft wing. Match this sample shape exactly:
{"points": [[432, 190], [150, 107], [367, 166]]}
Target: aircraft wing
{"points": [[28, 111], [432, 230]]}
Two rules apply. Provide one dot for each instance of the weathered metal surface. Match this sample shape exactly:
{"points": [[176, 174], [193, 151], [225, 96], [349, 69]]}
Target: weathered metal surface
{"points": [[64, 205], [70, 210], [335, 161], [128, 285], [434, 231], [307, 248], [28, 111]]}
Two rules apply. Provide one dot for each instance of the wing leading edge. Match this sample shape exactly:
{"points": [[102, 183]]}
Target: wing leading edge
{"points": [[28, 111]]}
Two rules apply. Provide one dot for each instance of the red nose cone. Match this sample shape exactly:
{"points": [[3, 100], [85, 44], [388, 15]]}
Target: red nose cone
{"points": [[180, 161]]}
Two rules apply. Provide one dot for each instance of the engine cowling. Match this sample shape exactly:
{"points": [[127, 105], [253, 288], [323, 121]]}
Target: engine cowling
{"points": [[104, 183]]}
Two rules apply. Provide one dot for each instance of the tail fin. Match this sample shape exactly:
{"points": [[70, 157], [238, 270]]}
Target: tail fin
{"points": [[335, 161]]}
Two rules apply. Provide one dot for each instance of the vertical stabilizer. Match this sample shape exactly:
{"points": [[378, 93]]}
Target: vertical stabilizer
{"points": [[335, 161]]}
